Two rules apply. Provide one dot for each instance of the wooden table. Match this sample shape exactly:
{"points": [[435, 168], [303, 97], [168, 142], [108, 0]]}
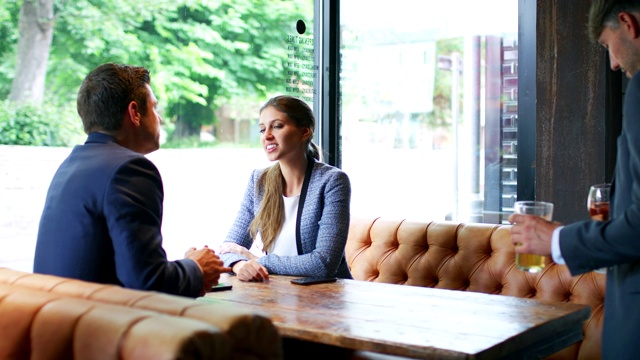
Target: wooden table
{"points": [[411, 321]]}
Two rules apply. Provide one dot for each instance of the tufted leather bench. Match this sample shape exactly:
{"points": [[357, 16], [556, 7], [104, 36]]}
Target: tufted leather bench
{"points": [[469, 257], [248, 335], [40, 325]]}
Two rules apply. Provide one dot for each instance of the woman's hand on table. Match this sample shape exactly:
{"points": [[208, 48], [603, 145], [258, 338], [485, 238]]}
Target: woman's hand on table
{"points": [[250, 270], [230, 247]]}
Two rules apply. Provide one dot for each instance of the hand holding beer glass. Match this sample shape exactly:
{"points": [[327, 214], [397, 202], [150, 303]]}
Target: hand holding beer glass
{"points": [[598, 205], [529, 262]]}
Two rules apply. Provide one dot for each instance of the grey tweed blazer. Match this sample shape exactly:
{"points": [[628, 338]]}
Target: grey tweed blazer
{"points": [[323, 224]]}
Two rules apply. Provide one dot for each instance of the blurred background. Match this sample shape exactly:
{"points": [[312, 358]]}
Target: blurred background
{"points": [[427, 117]]}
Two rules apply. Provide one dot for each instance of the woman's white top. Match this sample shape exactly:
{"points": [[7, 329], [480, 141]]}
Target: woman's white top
{"points": [[285, 244]]}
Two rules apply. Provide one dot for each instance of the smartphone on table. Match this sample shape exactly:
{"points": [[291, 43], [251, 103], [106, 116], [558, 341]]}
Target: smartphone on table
{"points": [[221, 287], [313, 280]]}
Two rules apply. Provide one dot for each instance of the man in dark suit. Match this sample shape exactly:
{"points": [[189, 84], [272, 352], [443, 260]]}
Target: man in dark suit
{"points": [[615, 244], [103, 212]]}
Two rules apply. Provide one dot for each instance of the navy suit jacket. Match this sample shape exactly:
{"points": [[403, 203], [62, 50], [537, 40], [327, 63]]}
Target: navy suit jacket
{"points": [[101, 222], [616, 244]]}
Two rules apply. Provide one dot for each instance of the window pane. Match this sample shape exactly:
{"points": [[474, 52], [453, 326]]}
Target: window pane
{"points": [[429, 108], [212, 63]]}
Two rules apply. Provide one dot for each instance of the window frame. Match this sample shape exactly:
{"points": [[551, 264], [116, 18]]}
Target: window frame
{"points": [[326, 99]]}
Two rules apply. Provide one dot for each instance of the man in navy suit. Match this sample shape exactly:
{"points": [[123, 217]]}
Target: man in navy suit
{"points": [[103, 212], [615, 244]]}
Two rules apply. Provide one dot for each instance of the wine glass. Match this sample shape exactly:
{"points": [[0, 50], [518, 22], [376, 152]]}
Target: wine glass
{"points": [[598, 205], [598, 202]]}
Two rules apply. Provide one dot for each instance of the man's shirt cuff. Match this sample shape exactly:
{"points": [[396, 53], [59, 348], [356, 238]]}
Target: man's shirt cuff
{"points": [[555, 247]]}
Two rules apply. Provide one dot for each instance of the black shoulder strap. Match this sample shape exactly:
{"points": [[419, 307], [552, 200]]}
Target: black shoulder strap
{"points": [[303, 195]]}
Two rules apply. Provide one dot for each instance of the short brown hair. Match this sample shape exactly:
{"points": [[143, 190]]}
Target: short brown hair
{"points": [[106, 93], [605, 12]]}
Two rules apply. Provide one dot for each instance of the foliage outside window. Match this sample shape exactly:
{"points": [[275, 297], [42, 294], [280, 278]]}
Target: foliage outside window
{"points": [[209, 60]]}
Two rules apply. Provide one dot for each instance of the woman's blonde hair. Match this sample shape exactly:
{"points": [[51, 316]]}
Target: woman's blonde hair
{"points": [[271, 215]]}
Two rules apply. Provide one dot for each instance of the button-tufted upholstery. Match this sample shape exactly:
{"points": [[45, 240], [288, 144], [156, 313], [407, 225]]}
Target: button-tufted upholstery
{"points": [[40, 325], [469, 257], [247, 334]]}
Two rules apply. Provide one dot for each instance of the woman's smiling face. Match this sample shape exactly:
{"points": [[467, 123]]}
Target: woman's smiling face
{"points": [[280, 137]]}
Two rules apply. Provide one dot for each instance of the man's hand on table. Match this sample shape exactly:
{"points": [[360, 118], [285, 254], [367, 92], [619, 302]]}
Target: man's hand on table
{"points": [[210, 264]]}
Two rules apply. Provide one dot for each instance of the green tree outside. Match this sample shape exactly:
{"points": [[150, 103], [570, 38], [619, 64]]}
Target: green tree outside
{"points": [[202, 55]]}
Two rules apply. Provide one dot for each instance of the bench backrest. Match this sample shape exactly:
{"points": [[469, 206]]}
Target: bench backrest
{"points": [[39, 325], [469, 257], [249, 334]]}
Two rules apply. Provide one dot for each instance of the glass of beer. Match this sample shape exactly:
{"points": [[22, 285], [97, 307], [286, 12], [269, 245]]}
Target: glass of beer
{"points": [[529, 262], [598, 205]]}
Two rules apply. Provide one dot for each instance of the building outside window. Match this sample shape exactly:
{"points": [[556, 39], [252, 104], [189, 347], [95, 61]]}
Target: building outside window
{"points": [[429, 108]]}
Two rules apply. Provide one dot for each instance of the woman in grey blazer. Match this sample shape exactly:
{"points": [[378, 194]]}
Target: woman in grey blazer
{"points": [[297, 210]]}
